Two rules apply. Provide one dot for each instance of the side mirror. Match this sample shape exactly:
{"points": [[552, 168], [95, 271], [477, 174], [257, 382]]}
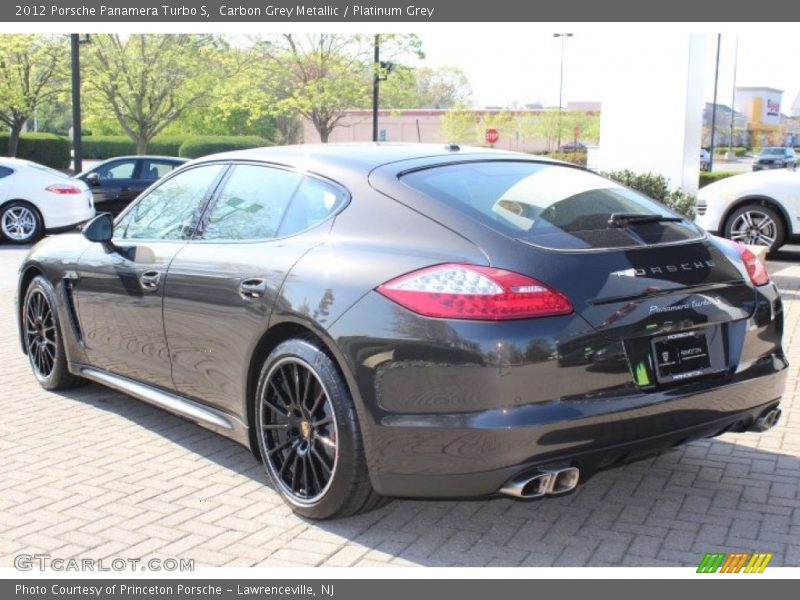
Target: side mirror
{"points": [[93, 179], [100, 229]]}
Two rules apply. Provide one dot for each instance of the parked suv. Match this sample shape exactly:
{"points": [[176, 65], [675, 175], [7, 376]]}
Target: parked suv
{"points": [[775, 158]]}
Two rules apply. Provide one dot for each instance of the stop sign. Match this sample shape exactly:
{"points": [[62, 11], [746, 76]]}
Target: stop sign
{"points": [[492, 136]]}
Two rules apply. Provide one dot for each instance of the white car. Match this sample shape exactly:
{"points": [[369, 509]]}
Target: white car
{"points": [[760, 208], [35, 200]]}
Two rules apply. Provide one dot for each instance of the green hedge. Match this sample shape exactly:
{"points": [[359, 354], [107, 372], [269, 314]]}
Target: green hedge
{"points": [[44, 148], [739, 151], [656, 186], [211, 144], [706, 178], [100, 147]]}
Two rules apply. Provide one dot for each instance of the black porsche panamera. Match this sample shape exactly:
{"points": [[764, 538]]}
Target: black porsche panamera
{"points": [[377, 321]]}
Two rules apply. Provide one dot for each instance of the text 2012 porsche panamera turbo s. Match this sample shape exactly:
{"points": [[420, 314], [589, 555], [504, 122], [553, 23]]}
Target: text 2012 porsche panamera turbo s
{"points": [[386, 320]]}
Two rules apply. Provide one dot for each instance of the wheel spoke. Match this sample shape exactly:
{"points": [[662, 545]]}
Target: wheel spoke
{"points": [[321, 461], [274, 407], [326, 441], [273, 426], [322, 422], [289, 455]]}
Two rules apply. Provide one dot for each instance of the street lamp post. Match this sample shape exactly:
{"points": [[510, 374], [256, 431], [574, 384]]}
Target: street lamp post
{"points": [[75, 49], [382, 70], [376, 82], [561, 83], [714, 109]]}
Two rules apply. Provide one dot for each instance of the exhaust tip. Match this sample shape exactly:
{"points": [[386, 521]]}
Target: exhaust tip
{"points": [[766, 421], [528, 486], [550, 482], [566, 480]]}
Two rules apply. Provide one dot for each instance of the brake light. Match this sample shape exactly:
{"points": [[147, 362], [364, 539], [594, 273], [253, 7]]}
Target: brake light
{"points": [[755, 268], [63, 188], [453, 291]]}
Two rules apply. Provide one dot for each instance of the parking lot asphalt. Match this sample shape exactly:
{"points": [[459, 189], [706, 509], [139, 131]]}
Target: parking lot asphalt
{"points": [[92, 473]]}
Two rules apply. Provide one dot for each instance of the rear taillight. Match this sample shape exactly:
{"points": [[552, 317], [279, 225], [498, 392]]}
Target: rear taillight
{"points": [[755, 268], [63, 188], [453, 291]]}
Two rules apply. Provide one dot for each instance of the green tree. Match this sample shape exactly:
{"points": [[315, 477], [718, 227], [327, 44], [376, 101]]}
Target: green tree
{"points": [[146, 82], [32, 72], [459, 126], [320, 76], [443, 87]]}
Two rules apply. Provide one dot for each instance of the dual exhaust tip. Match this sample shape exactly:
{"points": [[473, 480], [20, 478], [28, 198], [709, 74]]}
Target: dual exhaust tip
{"points": [[545, 482]]}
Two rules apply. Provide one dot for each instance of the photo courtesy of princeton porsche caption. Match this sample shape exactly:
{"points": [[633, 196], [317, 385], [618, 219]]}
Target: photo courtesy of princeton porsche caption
{"points": [[346, 288]]}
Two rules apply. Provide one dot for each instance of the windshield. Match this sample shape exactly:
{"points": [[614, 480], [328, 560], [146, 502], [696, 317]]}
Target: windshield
{"points": [[772, 152], [551, 205]]}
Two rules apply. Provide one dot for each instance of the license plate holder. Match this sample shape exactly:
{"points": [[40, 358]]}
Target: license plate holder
{"points": [[681, 356]]}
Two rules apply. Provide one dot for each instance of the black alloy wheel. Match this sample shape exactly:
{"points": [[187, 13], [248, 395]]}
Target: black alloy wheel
{"points": [[40, 334], [308, 433], [42, 337], [300, 430]]}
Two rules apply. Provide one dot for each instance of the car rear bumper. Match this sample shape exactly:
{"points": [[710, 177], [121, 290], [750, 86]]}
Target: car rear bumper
{"points": [[473, 405], [463, 457]]}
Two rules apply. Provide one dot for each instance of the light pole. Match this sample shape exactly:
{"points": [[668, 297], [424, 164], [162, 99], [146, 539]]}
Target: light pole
{"points": [[733, 94], [714, 109], [382, 70], [75, 50], [561, 83]]}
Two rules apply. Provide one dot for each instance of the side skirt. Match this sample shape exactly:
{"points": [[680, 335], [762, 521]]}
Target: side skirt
{"points": [[211, 418]]}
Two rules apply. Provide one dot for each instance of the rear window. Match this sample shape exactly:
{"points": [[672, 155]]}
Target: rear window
{"points": [[551, 205]]}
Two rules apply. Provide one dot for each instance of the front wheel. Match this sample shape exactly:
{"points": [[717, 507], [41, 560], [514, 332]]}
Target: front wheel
{"points": [[20, 223], [308, 434], [42, 337], [756, 225]]}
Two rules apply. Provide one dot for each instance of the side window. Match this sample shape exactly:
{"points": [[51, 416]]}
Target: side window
{"points": [[170, 211], [314, 201], [252, 204], [123, 169], [5, 172], [155, 169]]}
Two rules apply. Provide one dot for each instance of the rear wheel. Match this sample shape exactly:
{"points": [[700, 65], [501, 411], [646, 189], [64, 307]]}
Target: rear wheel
{"points": [[308, 434], [42, 337], [20, 222], [756, 225]]}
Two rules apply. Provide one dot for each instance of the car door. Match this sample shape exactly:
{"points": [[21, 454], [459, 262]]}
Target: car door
{"points": [[222, 286], [111, 188], [119, 293], [149, 171]]}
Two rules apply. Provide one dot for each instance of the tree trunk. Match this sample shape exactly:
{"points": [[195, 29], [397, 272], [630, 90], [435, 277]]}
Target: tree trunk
{"points": [[141, 145], [13, 139], [323, 135]]}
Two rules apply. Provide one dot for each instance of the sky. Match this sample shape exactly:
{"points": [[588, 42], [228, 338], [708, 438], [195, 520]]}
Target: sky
{"points": [[529, 64]]}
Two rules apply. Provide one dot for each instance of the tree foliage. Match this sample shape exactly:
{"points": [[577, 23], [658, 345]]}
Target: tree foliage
{"points": [[32, 74], [146, 82]]}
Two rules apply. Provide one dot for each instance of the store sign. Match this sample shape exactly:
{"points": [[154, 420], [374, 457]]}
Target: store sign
{"points": [[773, 108]]}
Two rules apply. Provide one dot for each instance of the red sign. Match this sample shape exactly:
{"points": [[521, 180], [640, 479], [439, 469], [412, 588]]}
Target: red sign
{"points": [[492, 136]]}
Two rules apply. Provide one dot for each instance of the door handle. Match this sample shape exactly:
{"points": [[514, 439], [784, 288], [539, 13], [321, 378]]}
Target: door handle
{"points": [[150, 279], [252, 288]]}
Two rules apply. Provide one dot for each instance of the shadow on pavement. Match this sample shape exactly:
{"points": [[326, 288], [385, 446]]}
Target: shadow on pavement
{"points": [[710, 496]]}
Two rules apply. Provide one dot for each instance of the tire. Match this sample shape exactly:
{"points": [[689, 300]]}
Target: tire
{"points": [[43, 339], [757, 225], [308, 434], [21, 223]]}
